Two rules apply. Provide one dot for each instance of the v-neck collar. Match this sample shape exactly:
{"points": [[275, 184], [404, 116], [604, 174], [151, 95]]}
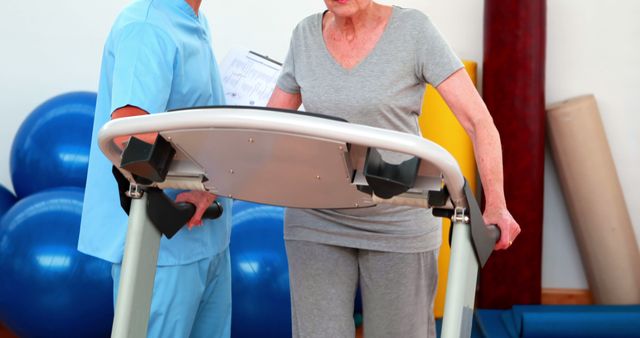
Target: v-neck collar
{"points": [[369, 55]]}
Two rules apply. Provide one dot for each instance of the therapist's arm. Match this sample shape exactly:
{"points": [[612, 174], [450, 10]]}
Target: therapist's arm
{"points": [[201, 199], [128, 111], [283, 100]]}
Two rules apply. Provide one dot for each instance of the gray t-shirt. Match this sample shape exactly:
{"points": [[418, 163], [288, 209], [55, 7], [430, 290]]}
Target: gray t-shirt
{"points": [[384, 90]]}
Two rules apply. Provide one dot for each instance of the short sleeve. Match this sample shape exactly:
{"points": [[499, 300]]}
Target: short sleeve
{"points": [[144, 57], [287, 80], [435, 59]]}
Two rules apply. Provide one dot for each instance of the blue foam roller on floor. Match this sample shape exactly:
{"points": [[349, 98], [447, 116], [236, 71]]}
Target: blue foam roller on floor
{"points": [[489, 323], [475, 330], [572, 321]]}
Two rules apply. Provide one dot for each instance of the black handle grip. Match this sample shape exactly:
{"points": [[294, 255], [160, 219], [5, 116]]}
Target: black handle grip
{"points": [[483, 236], [494, 232], [169, 217], [213, 211]]}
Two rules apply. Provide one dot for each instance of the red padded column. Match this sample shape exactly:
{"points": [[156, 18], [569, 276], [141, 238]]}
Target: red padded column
{"points": [[513, 85]]}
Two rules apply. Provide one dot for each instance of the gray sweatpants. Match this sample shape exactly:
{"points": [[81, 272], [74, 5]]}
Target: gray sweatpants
{"points": [[397, 289]]}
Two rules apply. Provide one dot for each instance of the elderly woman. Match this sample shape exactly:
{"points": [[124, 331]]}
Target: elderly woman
{"points": [[369, 63]]}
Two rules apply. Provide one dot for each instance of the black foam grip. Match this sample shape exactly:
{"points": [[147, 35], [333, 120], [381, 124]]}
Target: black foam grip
{"points": [[168, 216], [213, 211], [494, 232]]}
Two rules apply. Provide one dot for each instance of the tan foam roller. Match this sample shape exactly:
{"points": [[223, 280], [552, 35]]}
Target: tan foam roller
{"points": [[591, 188]]}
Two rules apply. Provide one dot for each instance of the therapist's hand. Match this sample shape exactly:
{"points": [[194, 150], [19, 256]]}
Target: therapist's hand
{"points": [[201, 199], [128, 111]]}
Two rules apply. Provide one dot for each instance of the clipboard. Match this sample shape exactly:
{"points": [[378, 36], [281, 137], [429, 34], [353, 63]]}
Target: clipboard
{"points": [[248, 78]]}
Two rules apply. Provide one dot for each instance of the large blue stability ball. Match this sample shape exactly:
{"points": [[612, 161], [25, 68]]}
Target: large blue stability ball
{"points": [[7, 200], [51, 148], [261, 304], [47, 287]]}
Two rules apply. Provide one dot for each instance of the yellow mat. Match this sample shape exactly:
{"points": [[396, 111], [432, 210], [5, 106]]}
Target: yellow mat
{"points": [[439, 125]]}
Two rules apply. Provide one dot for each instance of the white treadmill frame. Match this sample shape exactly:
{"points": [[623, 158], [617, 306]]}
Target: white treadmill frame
{"points": [[142, 241]]}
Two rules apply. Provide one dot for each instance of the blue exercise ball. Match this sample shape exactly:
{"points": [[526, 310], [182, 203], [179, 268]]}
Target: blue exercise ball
{"points": [[51, 147], [47, 287], [261, 303], [7, 200]]}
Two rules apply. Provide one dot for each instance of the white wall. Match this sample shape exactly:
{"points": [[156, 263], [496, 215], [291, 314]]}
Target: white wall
{"points": [[50, 47], [592, 47], [47, 48]]}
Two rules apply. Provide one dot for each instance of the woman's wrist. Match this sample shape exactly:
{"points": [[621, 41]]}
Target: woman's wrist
{"points": [[495, 202]]}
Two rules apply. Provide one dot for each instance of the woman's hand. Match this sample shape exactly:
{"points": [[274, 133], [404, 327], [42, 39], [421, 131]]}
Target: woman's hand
{"points": [[509, 228], [201, 199]]}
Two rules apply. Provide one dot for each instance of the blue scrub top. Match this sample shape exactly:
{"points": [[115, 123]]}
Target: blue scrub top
{"points": [[158, 57]]}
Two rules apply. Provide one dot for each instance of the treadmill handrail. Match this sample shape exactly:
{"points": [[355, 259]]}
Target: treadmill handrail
{"points": [[304, 125]]}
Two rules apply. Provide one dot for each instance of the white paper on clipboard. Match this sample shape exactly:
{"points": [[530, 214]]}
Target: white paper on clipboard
{"points": [[248, 78]]}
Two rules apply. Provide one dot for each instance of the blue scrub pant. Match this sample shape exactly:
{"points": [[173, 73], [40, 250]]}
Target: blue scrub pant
{"points": [[191, 300]]}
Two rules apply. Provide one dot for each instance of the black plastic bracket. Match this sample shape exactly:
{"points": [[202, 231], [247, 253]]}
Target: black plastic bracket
{"points": [[483, 236], [169, 217], [123, 187], [166, 215], [438, 198], [388, 180], [147, 162]]}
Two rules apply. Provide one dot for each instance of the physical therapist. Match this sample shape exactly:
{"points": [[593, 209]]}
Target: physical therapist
{"points": [[158, 57]]}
